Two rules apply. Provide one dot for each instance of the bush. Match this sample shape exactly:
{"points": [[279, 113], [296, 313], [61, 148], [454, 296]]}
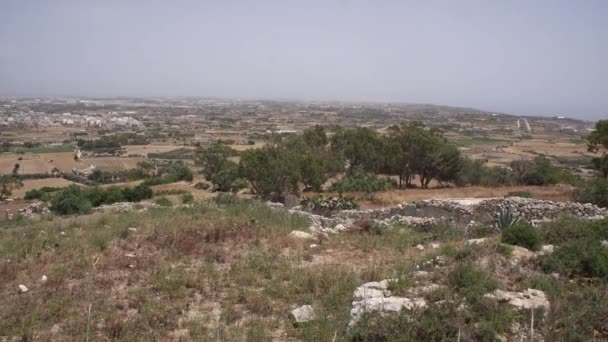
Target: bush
{"points": [[226, 199], [522, 234], [43, 194], [585, 257], [594, 191], [471, 282], [71, 200], [202, 186], [163, 201], [187, 198], [560, 232], [325, 205], [228, 180], [524, 194], [360, 181]]}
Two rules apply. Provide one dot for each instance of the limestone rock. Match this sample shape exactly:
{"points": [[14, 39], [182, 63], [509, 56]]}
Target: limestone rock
{"points": [[480, 241], [528, 299], [303, 314], [300, 235], [23, 288], [375, 297]]}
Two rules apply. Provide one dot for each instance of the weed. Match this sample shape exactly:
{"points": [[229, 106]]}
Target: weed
{"points": [[523, 235]]}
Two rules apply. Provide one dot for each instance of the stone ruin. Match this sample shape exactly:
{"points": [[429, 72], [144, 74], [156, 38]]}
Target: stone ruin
{"points": [[457, 212]]}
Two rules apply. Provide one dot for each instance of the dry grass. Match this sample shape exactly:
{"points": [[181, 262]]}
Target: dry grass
{"points": [[39, 163], [114, 163], [394, 197], [144, 150], [31, 184]]}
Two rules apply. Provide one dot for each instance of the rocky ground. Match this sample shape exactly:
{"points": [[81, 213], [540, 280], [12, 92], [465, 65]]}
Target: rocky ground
{"points": [[250, 271]]}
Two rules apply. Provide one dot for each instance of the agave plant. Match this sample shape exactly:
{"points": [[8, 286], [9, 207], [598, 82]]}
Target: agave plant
{"points": [[505, 218]]}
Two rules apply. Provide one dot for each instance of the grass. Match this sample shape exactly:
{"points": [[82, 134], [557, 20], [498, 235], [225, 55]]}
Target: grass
{"points": [[477, 141], [229, 271], [44, 149]]}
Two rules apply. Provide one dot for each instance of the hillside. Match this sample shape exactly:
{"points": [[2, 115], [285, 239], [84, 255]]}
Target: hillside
{"points": [[234, 270]]}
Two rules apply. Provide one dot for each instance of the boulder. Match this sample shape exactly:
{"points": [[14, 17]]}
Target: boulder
{"points": [[303, 314], [480, 241], [23, 288], [300, 235], [528, 299], [375, 297]]}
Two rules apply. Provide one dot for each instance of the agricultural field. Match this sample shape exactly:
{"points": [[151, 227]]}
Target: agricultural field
{"points": [[144, 150], [114, 163], [31, 163], [31, 184]]}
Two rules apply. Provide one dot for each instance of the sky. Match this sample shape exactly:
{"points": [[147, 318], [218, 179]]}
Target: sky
{"points": [[527, 57]]}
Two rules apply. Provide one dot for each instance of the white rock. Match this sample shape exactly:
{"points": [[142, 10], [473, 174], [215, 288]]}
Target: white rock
{"points": [[44, 279], [475, 241], [339, 227], [303, 314], [23, 288], [55, 329], [298, 234], [313, 245], [434, 245], [132, 229], [420, 247], [604, 243], [130, 255], [546, 249], [528, 299]]}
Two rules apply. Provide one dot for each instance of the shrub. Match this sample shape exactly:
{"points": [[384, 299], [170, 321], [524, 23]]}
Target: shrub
{"points": [[585, 257], [524, 194], [471, 282], [71, 200], [187, 198], [505, 218], [562, 231], [594, 191], [138, 193], [228, 179], [163, 201], [360, 181], [325, 205], [202, 186], [43, 194], [226, 199], [523, 235]]}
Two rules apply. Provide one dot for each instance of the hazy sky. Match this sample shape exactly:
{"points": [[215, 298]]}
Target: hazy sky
{"points": [[546, 57]]}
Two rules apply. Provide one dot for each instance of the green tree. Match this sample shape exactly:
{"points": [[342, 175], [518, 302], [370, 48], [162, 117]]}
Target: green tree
{"points": [[214, 159], [71, 200], [8, 183], [362, 147], [145, 167], [597, 140], [270, 171]]}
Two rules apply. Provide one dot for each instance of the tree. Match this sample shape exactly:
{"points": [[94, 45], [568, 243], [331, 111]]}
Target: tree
{"points": [[8, 183], [69, 201], [521, 167], [146, 167], [16, 170], [597, 140], [270, 171], [228, 179], [214, 158], [362, 147]]}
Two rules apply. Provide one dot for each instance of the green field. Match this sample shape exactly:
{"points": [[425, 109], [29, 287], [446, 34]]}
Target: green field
{"points": [[465, 141], [44, 149]]}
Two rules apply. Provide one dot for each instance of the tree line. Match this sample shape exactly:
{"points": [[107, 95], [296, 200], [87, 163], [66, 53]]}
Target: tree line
{"points": [[411, 153]]}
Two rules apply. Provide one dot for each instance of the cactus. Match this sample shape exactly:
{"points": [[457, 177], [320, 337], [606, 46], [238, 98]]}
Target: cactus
{"points": [[505, 218]]}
